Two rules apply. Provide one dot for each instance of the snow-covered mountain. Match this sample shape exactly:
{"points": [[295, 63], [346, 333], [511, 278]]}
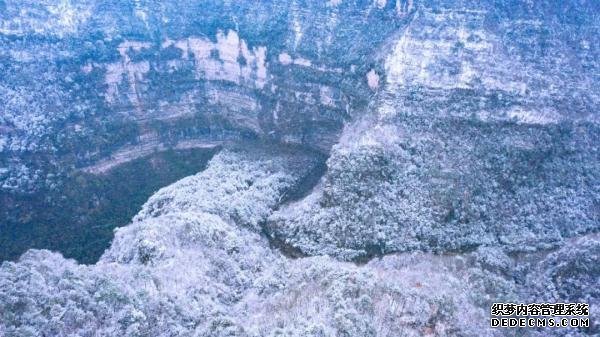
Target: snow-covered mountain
{"points": [[462, 163]]}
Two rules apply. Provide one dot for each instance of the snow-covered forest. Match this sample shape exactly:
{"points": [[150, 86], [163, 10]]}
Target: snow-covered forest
{"points": [[300, 168]]}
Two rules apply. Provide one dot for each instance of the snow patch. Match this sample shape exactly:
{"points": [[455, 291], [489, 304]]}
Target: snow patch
{"points": [[302, 62], [373, 79], [525, 116], [285, 59], [380, 3]]}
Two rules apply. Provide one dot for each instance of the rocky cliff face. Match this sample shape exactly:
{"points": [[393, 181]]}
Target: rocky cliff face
{"points": [[463, 164], [88, 84], [473, 138]]}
